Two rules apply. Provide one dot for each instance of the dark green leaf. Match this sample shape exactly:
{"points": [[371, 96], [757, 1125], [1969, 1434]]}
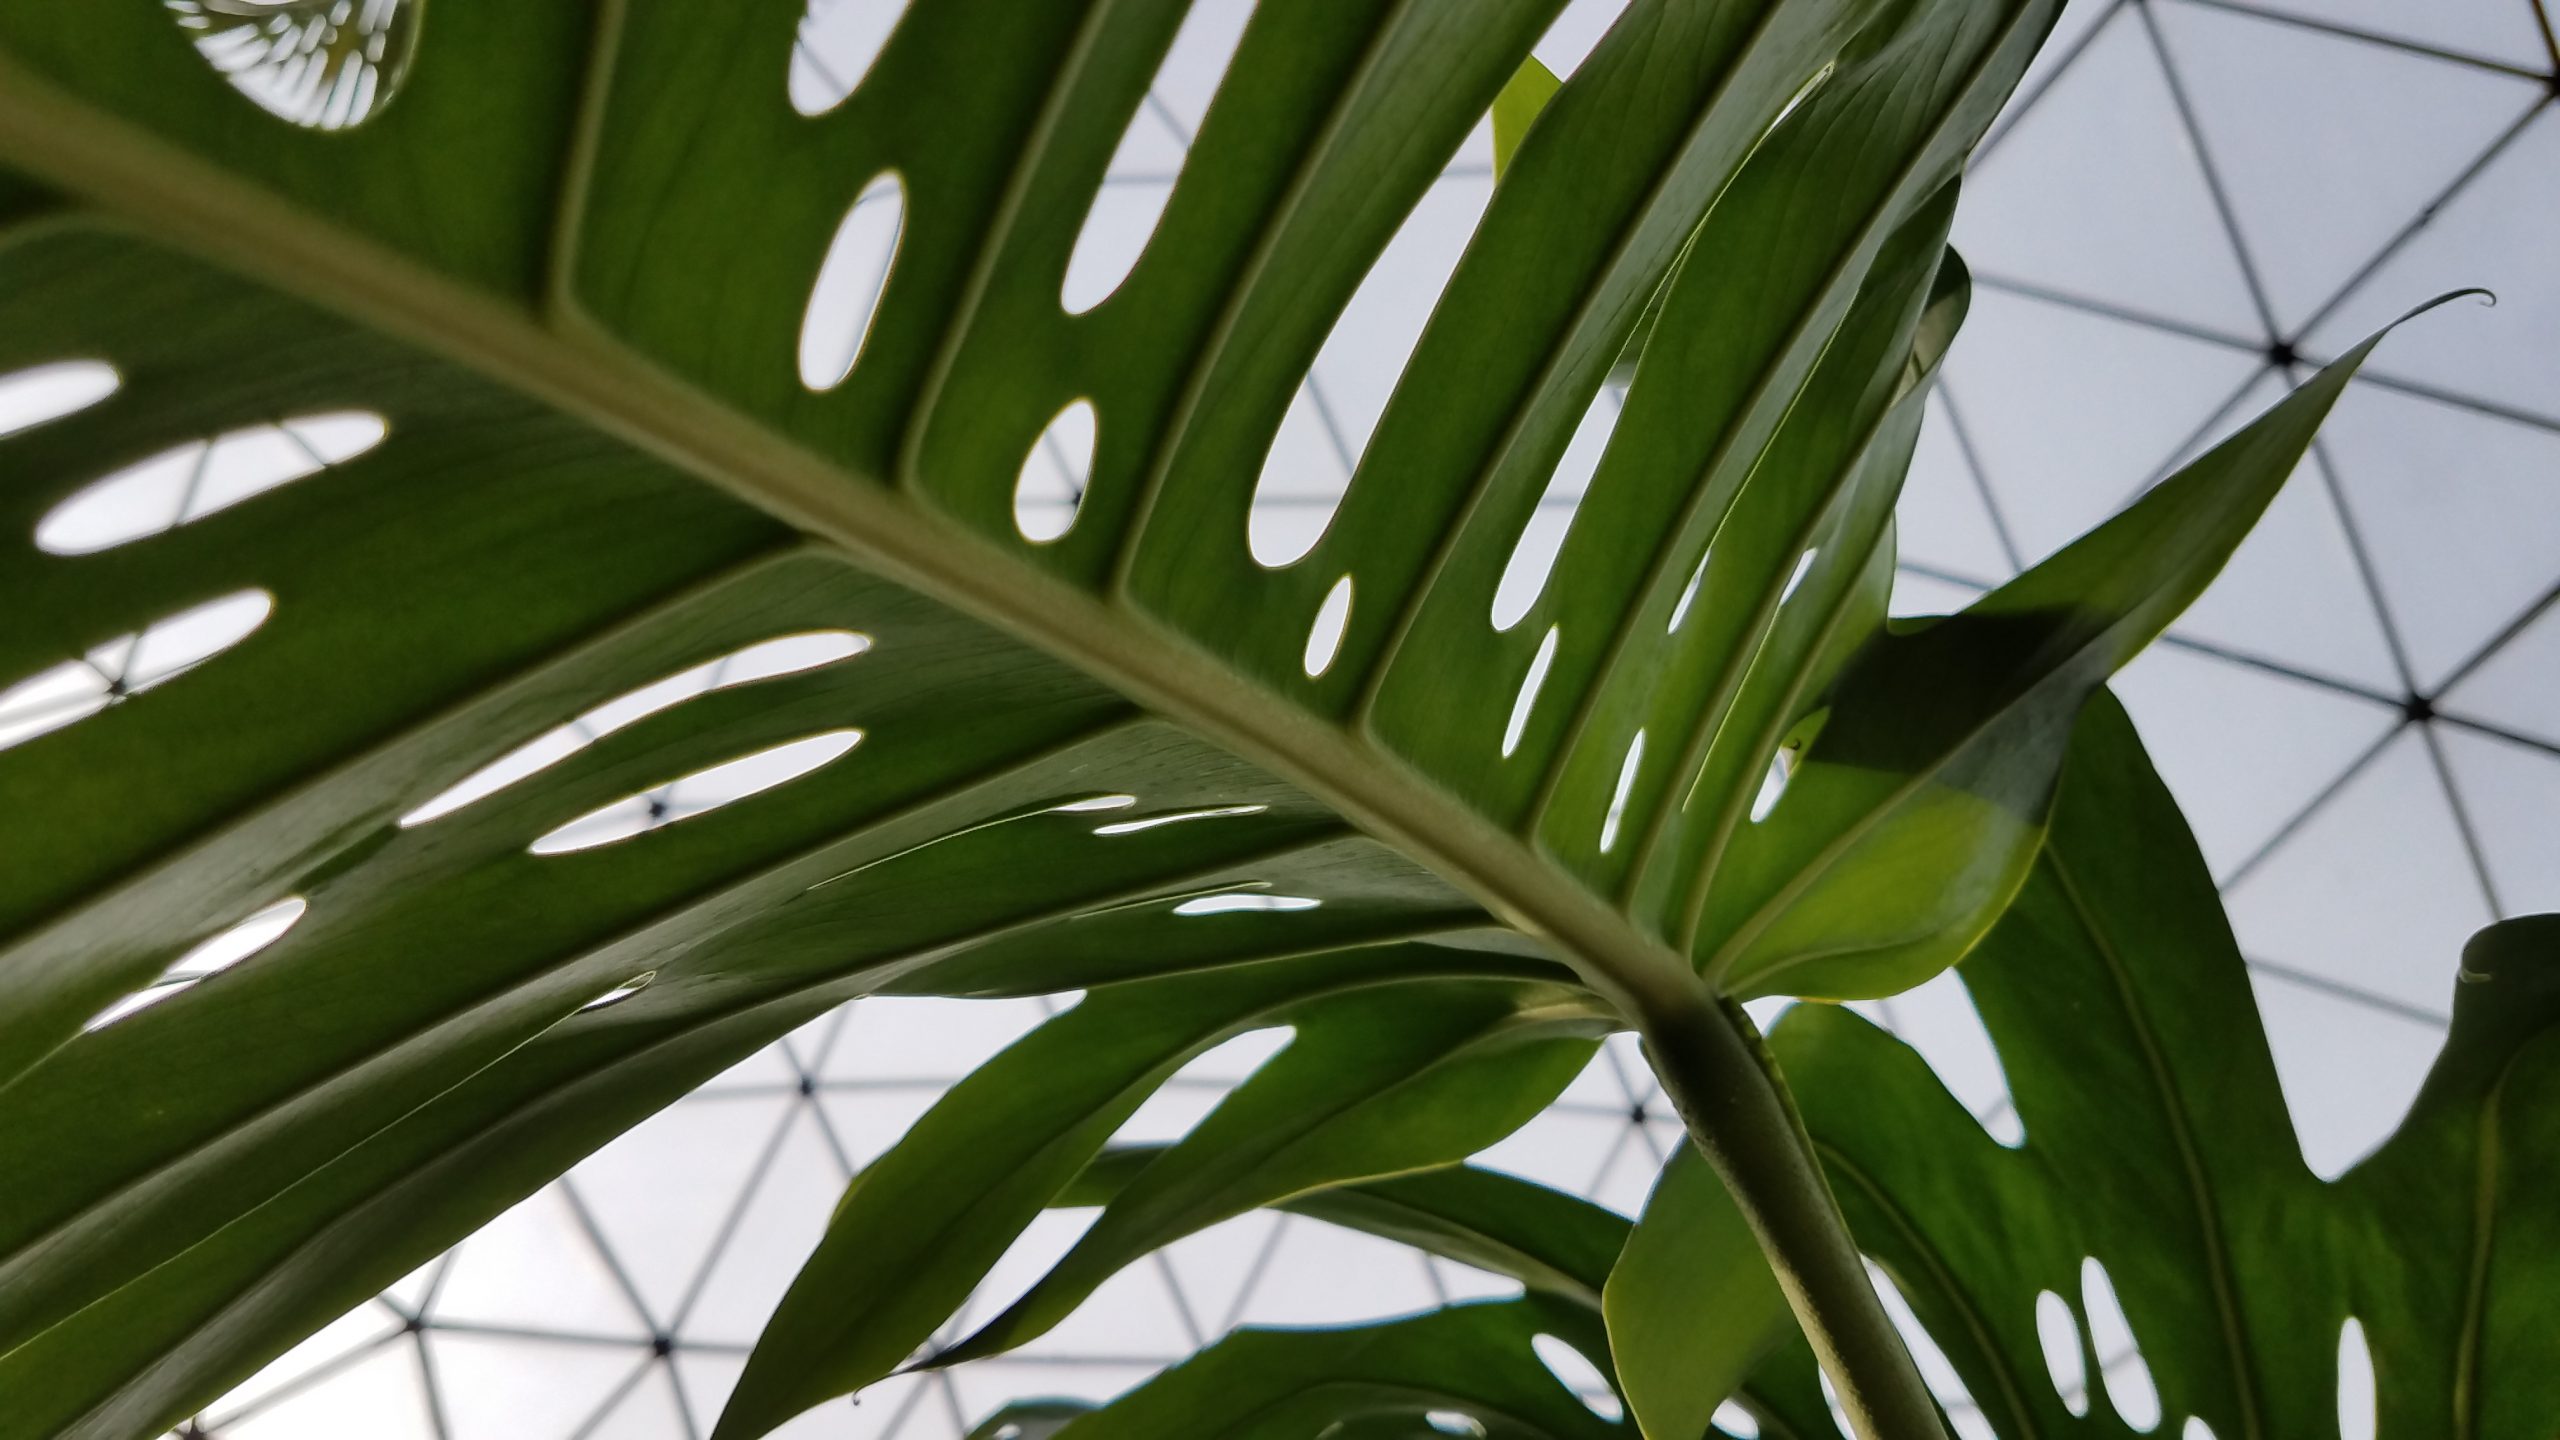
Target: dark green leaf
{"points": [[2158, 1145], [1031, 1420], [1478, 1361], [920, 1227], [1546, 1239], [1372, 1084], [567, 258], [1944, 742], [1692, 1305]]}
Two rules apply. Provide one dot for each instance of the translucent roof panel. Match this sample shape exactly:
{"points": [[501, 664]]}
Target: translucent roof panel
{"points": [[2189, 203]]}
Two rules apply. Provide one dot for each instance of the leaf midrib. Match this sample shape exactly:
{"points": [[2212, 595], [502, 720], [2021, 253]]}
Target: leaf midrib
{"points": [[1513, 1027], [2190, 1159], [1840, 1163], [134, 173]]}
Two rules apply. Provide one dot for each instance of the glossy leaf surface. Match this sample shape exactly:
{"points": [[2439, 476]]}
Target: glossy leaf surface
{"points": [[565, 254], [2158, 1146]]}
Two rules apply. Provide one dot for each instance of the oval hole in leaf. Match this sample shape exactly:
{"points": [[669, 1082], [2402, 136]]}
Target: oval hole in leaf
{"points": [[1453, 1422], [621, 992], [1245, 902], [1831, 1398], [211, 956], [1804, 563], [1050, 487], [1627, 770], [1092, 803], [182, 485], [834, 47], [1148, 161], [1735, 1421], [2058, 1330], [2196, 1429], [1533, 555], [696, 794], [1575, 1372], [1526, 702], [2121, 1367], [1335, 410], [1783, 766], [1333, 620], [1178, 817], [846, 296], [782, 655], [112, 673], [1936, 1370], [45, 393], [1689, 592], [321, 66], [2356, 1411]]}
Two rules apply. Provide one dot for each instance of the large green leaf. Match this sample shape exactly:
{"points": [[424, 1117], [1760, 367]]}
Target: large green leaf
{"points": [[1478, 1361], [1380, 1078], [1370, 1085], [565, 251], [2158, 1145], [1714, 1325]]}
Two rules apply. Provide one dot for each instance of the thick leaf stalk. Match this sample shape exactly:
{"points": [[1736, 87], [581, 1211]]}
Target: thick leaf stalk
{"points": [[1739, 1115]]}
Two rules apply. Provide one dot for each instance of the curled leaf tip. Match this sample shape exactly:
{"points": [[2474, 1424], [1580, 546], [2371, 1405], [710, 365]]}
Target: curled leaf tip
{"points": [[2487, 296]]}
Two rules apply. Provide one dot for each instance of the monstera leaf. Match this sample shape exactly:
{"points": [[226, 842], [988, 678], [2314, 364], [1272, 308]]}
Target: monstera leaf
{"points": [[480, 585], [2204, 1280], [2158, 1155], [1722, 1331]]}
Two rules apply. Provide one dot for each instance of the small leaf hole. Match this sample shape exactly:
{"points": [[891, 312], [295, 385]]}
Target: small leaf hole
{"points": [[2058, 1331], [834, 47], [765, 660], [46, 393], [182, 485], [1795, 578], [1091, 803], [2121, 1367], [1177, 817], [1627, 770], [699, 793], [1689, 592], [1324, 637], [1784, 764], [621, 992], [845, 298], [1575, 1372], [112, 673], [2357, 1413], [1245, 902], [1526, 702], [1051, 485], [209, 957]]}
